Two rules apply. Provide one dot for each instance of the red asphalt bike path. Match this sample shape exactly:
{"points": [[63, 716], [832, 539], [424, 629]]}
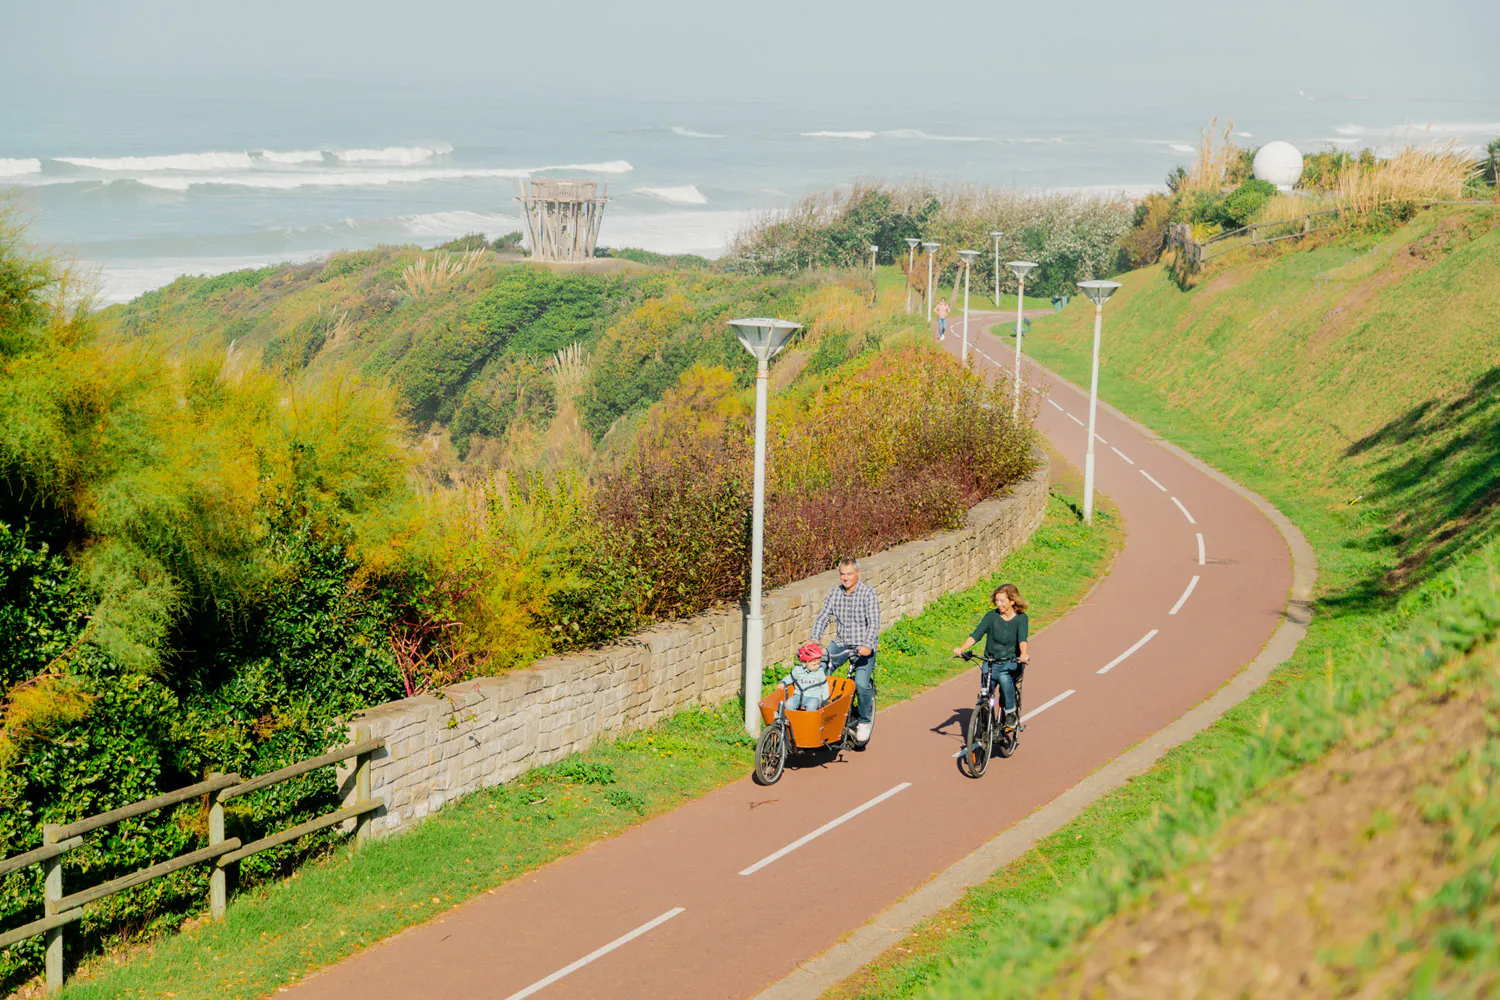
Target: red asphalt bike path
{"points": [[729, 893]]}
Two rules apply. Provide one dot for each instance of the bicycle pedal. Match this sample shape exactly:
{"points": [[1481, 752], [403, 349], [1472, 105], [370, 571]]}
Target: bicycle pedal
{"points": [[1021, 730]]}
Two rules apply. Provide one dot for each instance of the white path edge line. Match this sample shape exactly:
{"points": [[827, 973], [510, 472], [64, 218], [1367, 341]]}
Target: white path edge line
{"points": [[1185, 595], [800, 841], [1042, 708], [1125, 655], [1100, 439], [1055, 403], [597, 953], [1153, 480], [1121, 454], [1075, 420], [1031, 714], [1201, 560], [1184, 511]]}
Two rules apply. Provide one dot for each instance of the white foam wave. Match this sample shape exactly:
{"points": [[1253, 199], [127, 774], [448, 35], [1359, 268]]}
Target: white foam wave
{"points": [[176, 161], [825, 134], [15, 168], [395, 155], [1245, 135], [705, 233], [1411, 130], [359, 177], [687, 194], [1180, 147], [692, 133], [447, 225], [913, 133], [295, 156]]}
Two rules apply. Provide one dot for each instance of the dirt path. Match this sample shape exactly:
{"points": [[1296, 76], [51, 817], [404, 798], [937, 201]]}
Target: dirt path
{"points": [[730, 893]]}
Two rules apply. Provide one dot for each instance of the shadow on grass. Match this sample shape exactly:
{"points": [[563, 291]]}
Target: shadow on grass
{"points": [[1437, 479]]}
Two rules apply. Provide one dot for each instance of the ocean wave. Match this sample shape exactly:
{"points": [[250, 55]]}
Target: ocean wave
{"points": [[915, 133], [1180, 147], [691, 133], [295, 156], [15, 168], [447, 225], [359, 177], [687, 194], [825, 134], [1410, 129], [394, 155], [175, 161]]}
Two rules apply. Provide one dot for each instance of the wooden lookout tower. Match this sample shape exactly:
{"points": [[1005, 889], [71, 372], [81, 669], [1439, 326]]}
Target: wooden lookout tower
{"points": [[562, 217]]}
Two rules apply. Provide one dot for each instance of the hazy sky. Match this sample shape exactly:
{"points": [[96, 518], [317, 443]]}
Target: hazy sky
{"points": [[1048, 53]]}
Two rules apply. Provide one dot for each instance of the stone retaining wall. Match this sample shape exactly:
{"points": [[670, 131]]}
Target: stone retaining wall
{"points": [[488, 730]]}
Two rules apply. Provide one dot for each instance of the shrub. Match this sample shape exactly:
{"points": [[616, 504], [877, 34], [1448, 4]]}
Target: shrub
{"points": [[1241, 206], [465, 244]]}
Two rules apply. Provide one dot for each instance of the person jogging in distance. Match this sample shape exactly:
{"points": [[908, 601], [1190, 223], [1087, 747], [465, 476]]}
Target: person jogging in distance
{"points": [[1004, 629], [942, 311]]}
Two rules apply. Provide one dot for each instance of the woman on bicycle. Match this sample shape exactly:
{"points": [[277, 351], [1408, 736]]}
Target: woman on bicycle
{"points": [[1004, 630]]}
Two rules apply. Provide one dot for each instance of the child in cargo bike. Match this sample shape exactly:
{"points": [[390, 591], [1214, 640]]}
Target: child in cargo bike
{"points": [[808, 680]]}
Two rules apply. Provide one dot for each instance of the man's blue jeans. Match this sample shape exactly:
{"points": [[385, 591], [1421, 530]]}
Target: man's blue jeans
{"points": [[1005, 674], [862, 668]]}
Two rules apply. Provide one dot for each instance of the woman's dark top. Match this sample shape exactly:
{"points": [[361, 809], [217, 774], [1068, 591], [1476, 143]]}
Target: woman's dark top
{"points": [[1002, 638]]}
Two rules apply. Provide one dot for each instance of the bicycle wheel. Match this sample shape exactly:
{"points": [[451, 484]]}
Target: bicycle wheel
{"points": [[1009, 739], [770, 755], [981, 728]]}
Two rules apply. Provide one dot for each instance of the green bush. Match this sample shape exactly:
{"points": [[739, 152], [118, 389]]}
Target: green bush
{"points": [[1240, 207]]}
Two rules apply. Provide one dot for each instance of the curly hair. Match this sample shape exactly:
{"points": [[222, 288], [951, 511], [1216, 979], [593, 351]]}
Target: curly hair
{"points": [[1016, 600]]}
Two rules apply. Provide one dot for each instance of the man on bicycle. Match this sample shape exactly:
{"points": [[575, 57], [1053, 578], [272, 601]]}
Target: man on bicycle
{"points": [[856, 609], [1005, 629]]}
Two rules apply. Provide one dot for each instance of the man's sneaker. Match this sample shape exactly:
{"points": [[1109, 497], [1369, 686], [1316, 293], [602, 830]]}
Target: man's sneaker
{"points": [[1010, 718], [862, 732]]}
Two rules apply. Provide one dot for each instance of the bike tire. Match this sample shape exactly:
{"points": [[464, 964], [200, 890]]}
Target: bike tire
{"points": [[770, 755], [980, 731]]}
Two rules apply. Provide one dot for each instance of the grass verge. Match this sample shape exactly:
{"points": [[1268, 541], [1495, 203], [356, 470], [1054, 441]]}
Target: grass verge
{"points": [[347, 900], [1276, 373]]}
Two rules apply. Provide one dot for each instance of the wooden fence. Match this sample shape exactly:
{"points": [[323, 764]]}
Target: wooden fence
{"points": [[57, 840]]}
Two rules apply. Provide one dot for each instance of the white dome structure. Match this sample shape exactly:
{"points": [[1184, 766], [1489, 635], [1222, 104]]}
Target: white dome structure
{"points": [[1280, 163]]}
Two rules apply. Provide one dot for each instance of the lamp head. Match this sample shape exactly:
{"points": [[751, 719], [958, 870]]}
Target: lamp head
{"points": [[1099, 291], [929, 247], [996, 234], [1020, 268], [968, 255], [913, 243], [763, 337], [874, 248]]}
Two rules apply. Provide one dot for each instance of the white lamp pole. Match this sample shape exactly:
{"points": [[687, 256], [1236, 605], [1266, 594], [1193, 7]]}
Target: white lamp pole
{"points": [[762, 338], [997, 234], [968, 258], [1020, 268], [911, 262], [1098, 293], [929, 247], [873, 251]]}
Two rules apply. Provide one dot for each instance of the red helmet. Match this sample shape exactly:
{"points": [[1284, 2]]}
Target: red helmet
{"points": [[810, 652]]}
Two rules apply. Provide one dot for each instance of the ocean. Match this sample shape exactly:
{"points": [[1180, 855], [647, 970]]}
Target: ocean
{"points": [[145, 184]]}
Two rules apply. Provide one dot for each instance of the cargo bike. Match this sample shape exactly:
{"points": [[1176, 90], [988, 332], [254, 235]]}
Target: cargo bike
{"points": [[788, 731]]}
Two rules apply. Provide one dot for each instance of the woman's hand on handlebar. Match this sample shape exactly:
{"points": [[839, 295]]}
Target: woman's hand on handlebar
{"points": [[960, 653]]}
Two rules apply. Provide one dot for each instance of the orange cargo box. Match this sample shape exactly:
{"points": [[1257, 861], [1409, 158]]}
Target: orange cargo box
{"points": [[811, 730]]}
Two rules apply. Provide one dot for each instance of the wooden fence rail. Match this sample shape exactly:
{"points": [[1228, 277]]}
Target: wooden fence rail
{"points": [[58, 839]]}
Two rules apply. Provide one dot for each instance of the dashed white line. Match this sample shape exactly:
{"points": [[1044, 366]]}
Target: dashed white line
{"points": [[1201, 561], [1153, 480], [1184, 511], [1100, 439], [1125, 655], [800, 841], [1042, 708], [1121, 454], [1075, 420], [1055, 403], [597, 953], [1185, 595]]}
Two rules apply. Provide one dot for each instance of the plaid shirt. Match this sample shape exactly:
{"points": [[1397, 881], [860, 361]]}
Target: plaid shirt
{"points": [[857, 612]]}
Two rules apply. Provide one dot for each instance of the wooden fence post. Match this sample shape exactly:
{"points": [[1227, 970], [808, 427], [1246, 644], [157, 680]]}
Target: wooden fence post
{"points": [[52, 891], [361, 787], [218, 877]]}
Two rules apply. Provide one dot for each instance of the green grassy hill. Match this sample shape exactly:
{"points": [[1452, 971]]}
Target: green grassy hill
{"points": [[1335, 834]]}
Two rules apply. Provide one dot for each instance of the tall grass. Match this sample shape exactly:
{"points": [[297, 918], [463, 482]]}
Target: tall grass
{"points": [[1414, 175], [429, 273]]}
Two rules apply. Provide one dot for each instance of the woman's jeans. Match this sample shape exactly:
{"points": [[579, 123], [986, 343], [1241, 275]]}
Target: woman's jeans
{"points": [[1004, 674], [861, 667]]}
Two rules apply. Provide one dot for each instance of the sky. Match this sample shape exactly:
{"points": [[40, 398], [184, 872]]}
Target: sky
{"points": [[847, 54]]}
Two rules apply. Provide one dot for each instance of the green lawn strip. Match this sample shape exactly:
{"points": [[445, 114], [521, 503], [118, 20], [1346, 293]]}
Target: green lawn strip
{"points": [[347, 900], [1363, 644]]}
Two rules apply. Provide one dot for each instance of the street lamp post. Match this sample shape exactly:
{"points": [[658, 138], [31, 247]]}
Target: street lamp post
{"points": [[911, 262], [873, 251], [762, 338], [996, 234], [1098, 293], [929, 247], [968, 259], [1020, 268]]}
